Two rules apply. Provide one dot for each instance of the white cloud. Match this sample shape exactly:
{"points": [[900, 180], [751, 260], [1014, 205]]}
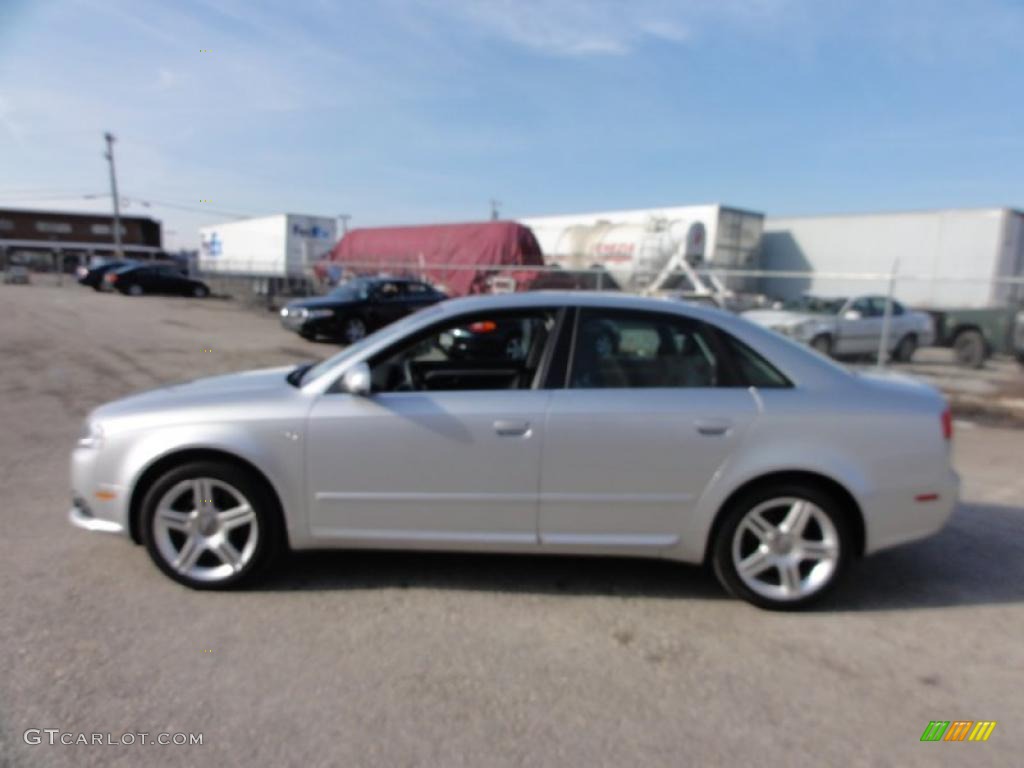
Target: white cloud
{"points": [[166, 79], [576, 27]]}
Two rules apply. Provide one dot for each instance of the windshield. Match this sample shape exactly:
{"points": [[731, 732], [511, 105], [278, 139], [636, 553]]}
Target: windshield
{"points": [[815, 305], [354, 289], [354, 349]]}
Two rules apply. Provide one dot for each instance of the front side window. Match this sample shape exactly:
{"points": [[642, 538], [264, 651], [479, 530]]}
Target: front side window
{"points": [[615, 349], [474, 352]]}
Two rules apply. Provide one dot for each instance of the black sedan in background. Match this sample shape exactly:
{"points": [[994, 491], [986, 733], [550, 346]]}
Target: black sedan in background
{"points": [[93, 276], [137, 279], [358, 307]]}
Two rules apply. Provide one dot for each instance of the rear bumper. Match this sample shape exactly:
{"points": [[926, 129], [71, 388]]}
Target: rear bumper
{"points": [[909, 514]]}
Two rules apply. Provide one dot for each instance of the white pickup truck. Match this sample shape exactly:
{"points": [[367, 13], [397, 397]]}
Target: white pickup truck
{"points": [[848, 326]]}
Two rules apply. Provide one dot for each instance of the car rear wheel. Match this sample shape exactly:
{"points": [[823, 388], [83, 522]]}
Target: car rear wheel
{"points": [[353, 330], [905, 350], [200, 292], [782, 547], [969, 349], [135, 290], [209, 525]]}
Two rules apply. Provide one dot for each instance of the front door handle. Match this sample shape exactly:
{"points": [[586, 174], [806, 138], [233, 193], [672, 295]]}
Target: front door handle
{"points": [[712, 427], [510, 428]]}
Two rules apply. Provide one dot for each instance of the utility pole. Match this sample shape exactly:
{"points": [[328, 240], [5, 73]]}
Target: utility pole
{"points": [[113, 191], [494, 208], [343, 218]]}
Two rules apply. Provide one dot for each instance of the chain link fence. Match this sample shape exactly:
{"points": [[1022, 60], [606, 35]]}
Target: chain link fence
{"points": [[880, 315]]}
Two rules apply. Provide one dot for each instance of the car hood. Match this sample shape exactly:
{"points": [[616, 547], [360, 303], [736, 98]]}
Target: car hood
{"points": [[220, 390], [775, 318]]}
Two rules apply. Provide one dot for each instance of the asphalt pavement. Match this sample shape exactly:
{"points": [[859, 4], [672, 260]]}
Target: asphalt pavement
{"points": [[350, 659]]}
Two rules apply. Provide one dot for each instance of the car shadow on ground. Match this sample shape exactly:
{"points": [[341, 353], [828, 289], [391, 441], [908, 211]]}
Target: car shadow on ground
{"points": [[977, 560]]}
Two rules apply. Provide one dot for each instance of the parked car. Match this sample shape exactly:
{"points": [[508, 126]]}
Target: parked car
{"points": [[696, 436], [976, 334], [137, 279], [357, 307], [841, 327], [16, 274], [93, 276]]}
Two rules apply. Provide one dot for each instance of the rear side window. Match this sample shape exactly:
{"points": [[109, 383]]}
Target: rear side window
{"points": [[753, 369], [616, 349]]}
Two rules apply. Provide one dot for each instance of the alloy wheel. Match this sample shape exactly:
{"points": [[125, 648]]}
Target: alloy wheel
{"points": [[205, 529], [785, 549]]}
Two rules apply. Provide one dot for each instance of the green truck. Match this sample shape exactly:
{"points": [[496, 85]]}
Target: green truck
{"points": [[977, 334]]}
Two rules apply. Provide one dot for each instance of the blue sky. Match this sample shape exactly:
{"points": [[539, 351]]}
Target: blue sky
{"points": [[397, 111]]}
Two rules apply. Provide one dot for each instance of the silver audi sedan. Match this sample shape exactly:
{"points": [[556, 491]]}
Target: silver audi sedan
{"points": [[571, 423]]}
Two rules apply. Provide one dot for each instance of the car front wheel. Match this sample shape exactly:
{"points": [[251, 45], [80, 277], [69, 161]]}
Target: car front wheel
{"points": [[353, 330], [822, 344], [209, 525], [782, 547]]}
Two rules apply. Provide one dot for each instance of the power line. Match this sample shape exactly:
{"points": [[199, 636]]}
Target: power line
{"points": [[195, 209]]}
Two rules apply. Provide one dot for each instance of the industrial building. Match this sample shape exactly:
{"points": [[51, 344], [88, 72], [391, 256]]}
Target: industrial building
{"points": [[944, 258], [50, 238]]}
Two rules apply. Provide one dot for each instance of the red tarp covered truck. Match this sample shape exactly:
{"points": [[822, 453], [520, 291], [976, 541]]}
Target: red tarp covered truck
{"points": [[458, 258]]}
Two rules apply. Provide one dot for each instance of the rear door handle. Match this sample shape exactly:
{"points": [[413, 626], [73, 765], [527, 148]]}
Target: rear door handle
{"points": [[712, 427], [510, 428]]}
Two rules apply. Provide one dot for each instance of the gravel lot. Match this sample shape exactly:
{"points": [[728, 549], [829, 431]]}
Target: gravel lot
{"points": [[408, 659]]}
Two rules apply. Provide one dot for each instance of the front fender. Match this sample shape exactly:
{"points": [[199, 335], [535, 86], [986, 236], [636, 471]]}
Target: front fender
{"points": [[273, 449]]}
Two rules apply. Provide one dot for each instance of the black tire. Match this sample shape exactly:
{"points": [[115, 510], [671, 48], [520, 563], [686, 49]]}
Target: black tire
{"points": [[134, 290], [722, 557], [906, 349], [200, 292], [822, 344], [353, 329], [969, 349], [308, 335], [258, 495]]}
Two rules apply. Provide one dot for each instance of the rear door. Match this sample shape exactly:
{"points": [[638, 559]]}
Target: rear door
{"points": [[650, 411]]}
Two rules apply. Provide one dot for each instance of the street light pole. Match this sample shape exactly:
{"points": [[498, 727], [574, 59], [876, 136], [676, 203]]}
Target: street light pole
{"points": [[113, 191], [344, 217]]}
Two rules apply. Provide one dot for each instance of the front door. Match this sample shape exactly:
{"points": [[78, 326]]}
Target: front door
{"points": [[859, 329], [445, 452], [648, 418]]}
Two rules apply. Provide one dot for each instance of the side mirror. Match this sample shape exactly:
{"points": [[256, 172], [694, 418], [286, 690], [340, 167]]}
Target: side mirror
{"points": [[852, 314], [357, 381]]}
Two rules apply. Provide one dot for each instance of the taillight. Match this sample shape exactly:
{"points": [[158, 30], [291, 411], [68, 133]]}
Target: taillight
{"points": [[947, 424], [111, 279], [483, 326]]}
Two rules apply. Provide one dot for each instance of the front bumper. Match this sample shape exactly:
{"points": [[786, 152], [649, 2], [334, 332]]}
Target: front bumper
{"points": [[81, 516], [96, 505]]}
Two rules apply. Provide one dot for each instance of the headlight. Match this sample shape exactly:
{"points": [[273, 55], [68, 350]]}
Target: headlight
{"points": [[316, 313], [91, 435], [284, 311]]}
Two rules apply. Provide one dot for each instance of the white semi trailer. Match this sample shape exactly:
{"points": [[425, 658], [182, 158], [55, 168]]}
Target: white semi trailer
{"points": [[283, 245], [645, 249]]}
